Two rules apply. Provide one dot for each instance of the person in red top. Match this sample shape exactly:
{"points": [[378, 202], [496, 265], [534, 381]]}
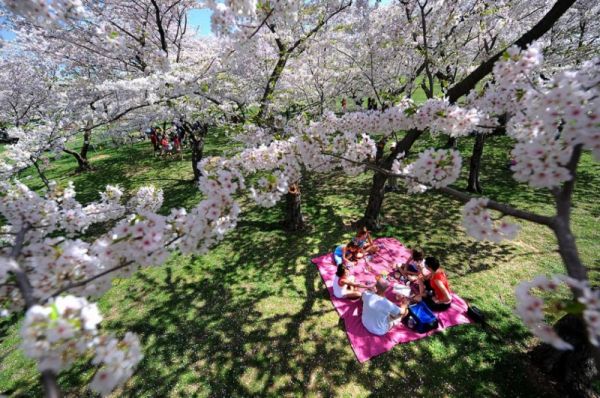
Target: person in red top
{"points": [[441, 298], [154, 139]]}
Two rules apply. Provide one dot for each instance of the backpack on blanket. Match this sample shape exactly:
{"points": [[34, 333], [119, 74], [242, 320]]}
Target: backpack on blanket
{"points": [[420, 318]]}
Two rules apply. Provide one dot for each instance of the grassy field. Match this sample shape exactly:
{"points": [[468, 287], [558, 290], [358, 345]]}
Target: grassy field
{"points": [[253, 317]]}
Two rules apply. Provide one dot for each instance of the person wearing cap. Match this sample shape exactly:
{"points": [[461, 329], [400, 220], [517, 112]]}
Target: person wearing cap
{"points": [[379, 314]]}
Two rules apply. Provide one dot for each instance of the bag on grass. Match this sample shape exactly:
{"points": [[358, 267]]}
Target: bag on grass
{"points": [[421, 319], [475, 314]]}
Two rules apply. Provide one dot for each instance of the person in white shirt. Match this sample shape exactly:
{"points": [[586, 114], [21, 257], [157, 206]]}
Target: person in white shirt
{"points": [[344, 286], [379, 314]]}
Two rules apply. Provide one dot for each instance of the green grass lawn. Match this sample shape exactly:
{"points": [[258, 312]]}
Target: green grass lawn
{"points": [[253, 317]]}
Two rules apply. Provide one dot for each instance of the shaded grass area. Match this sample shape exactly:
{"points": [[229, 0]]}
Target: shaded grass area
{"points": [[253, 317]]}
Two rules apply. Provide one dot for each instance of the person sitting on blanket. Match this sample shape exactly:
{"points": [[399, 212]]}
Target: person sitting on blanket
{"points": [[346, 254], [441, 296], [364, 242], [379, 314], [414, 266], [344, 285]]}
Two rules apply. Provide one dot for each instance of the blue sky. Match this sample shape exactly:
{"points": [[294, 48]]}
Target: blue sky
{"points": [[200, 19]]}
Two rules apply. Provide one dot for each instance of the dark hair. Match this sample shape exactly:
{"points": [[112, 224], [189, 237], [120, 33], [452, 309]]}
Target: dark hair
{"points": [[418, 254], [432, 263], [362, 231], [352, 245], [341, 270]]}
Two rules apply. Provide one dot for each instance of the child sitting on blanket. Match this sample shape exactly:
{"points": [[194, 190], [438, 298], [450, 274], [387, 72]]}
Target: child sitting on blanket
{"points": [[346, 254], [364, 242], [414, 266], [345, 286]]}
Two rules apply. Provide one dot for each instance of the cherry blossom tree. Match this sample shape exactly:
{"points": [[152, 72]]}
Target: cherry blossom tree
{"points": [[50, 269]]}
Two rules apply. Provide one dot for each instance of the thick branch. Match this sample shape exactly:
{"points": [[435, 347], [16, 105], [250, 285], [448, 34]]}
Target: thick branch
{"points": [[161, 31], [562, 226], [461, 196], [20, 275], [543, 26], [501, 207]]}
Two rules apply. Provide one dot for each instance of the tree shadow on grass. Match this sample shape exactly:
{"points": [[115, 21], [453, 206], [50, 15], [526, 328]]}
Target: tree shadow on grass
{"points": [[255, 319], [259, 321], [218, 342]]}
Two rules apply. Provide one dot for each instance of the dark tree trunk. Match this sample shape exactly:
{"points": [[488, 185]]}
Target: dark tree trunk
{"points": [[40, 172], [270, 87], [196, 135], [197, 151], [451, 143], [51, 389], [475, 165], [574, 370], [87, 135], [371, 218], [294, 220], [82, 163]]}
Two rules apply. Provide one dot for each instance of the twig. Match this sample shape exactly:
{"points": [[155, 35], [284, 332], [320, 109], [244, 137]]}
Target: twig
{"points": [[92, 278]]}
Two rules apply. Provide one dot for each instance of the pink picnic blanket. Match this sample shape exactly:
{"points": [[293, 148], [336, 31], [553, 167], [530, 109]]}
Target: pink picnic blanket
{"points": [[365, 344]]}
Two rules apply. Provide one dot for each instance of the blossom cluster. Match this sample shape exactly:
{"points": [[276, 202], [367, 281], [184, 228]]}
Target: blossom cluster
{"points": [[58, 333], [146, 199], [478, 222], [55, 259], [32, 143], [46, 11], [117, 358], [436, 115], [531, 308], [547, 118], [435, 168]]}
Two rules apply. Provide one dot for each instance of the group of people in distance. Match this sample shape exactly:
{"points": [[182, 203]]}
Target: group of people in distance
{"points": [[166, 143], [423, 275]]}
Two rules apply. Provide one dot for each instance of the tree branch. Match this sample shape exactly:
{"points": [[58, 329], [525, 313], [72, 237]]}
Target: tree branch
{"points": [[161, 31], [543, 26], [460, 196]]}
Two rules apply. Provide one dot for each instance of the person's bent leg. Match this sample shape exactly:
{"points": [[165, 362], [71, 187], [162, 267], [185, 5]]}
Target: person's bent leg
{"points": [[353, 295], [436, 306], [337, 259]]}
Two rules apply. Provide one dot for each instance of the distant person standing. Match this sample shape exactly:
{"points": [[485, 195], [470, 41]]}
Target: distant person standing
{"points": [[180, 131], [177, 146], [154, 140], [344, 104]]}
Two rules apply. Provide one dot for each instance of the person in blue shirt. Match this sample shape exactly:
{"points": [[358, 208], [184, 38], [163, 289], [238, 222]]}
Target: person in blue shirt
{"points": [[346, 254]]}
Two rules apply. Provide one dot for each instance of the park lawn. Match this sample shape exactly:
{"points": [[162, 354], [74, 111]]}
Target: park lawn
{"points": [[253, 317]]}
